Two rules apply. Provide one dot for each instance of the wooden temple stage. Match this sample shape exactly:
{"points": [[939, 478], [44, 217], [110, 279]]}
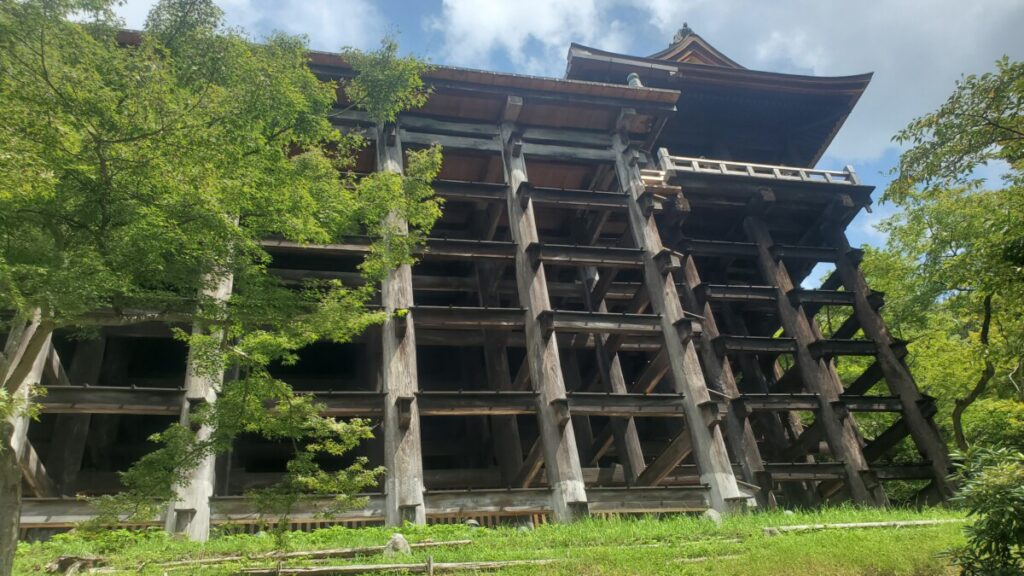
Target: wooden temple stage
{"points": [[612, 316]]}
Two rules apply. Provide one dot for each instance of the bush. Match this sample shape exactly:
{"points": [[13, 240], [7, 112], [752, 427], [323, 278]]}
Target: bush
{"points": [[995, 422], [992, 491]]}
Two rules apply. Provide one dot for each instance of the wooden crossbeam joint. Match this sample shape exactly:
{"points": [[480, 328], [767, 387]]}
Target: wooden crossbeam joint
{"points": [[404, 405], [523, 193], [561, 407], [648, 203], [390, 133], [401, 323], [533, 253], [712, 412], [667, 261], [689, 328]]}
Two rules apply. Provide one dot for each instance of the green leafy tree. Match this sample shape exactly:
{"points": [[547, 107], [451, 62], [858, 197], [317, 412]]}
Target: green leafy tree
{"points": [[953, 267], [953, 273], [139, 172]]}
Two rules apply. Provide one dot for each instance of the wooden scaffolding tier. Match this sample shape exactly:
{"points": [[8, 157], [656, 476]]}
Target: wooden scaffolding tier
{"points": [[588, 330]]}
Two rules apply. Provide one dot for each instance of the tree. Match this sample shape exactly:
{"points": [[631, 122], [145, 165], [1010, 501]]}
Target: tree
{"points": [[137, 173], [954, 262]]}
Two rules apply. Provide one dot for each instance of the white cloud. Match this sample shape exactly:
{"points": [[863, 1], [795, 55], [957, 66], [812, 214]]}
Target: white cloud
{"points": [[329, 24], [533, 34]]}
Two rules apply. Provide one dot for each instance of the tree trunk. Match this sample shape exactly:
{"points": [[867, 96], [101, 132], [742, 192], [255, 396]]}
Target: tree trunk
{"points": [[10, 499], [961, 404]]}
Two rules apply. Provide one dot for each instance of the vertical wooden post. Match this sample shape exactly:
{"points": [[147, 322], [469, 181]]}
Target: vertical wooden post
{"points": [[684, 367], [772, 424], [403, 455], [897, 377], [190, 513], [609, 369], [719, 373], [818, 375], [561, 458], [71, 430]]}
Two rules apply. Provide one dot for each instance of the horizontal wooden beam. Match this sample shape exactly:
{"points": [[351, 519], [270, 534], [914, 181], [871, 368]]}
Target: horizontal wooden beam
{"points": [[435, 248], [599, 322], [754, 345], [470, 191], [598, 256], [735, 293], [805, 471], [811, 402], [468, 318], [721, 248], [573, 199], [563, 152], [830, 348], [626, 405], [111, 400], [477, 403]]}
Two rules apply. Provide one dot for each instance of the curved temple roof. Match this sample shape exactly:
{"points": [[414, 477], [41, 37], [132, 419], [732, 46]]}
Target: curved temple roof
{"points": [[726, 110]]}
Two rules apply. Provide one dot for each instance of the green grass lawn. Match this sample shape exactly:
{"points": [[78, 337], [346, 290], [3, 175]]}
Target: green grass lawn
{"points": [[668, 545]]}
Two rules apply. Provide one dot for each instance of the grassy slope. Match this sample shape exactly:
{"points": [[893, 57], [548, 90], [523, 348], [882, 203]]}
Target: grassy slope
{"points": [[617, 546]]}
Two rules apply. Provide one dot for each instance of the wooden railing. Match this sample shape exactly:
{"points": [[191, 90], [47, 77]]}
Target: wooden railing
{"points": [[671, 165]]}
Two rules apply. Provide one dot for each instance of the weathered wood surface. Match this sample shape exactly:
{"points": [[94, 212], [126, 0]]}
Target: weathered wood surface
{"points": [[190, 512], [897, 377], [561, 457], [720, 376], [687, 377], [403, 458], [818, 374]]}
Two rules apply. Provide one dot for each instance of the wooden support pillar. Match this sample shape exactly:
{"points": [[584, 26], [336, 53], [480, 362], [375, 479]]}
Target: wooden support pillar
{"points": [[609, 370], [190, 513], [561, 458], [771, 424], [508, 447], [901, 383], [710, 452], [719, 374], [71, 430], [403, 455], [817, 374]]}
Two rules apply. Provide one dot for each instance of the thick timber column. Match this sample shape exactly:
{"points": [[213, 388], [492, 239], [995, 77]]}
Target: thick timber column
{"points": [[558, 442], [817, 374], [719, 372], [897, 377], [190, 513], [708, 446], [403, 457]]}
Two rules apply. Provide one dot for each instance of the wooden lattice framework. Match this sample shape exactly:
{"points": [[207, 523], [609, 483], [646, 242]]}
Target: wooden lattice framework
{"points": [[595, 326]]}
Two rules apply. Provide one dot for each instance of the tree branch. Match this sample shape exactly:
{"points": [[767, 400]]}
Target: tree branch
{"points": [[961, 404]]}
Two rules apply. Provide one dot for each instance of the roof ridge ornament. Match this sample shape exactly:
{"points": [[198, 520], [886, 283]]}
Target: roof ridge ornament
{"points": [[682, 33]]}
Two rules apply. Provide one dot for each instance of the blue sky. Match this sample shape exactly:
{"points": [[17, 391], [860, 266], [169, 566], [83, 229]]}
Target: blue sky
{"points": [[916, 48]]}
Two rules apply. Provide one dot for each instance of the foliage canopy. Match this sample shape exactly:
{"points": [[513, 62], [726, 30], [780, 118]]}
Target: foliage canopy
{"points": [[138, 172]]}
